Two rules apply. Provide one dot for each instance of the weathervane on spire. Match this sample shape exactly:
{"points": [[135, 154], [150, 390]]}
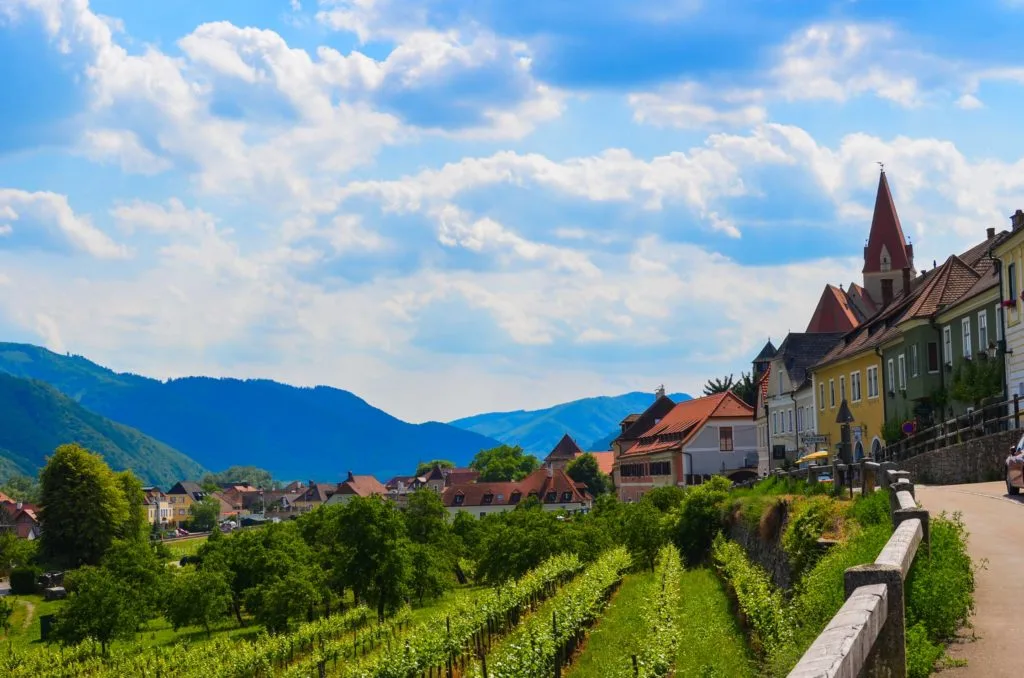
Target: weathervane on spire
{"points": [[881, 164]]}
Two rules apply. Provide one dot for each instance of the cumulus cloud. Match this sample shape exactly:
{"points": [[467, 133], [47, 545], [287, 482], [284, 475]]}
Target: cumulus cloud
{"points": [[48, 221]]}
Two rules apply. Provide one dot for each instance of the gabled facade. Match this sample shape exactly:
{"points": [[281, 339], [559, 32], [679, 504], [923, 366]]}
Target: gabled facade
{"points": [[158, 508], [1010, 254], [694, 440], [887, 254], [555, 490], [792, 421], [357, 486], [181, 497], [954, 317], [566, 450]]}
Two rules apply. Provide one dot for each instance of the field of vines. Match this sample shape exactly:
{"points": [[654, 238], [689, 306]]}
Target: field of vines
{"points": [[345, 644]]}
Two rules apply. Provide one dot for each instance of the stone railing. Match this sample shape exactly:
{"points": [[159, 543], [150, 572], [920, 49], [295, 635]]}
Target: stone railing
{"points": [[867, 637]]}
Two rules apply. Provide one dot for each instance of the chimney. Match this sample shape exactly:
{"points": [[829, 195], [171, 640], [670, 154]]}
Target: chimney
{"points": [[990, 233], [350, 477], [551, 471], [1017, 219], [886, 292], [906, 281], [19, 506], [660, 392]]}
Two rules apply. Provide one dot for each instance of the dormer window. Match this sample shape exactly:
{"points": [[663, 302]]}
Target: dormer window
{"points": [[551, 496], [566, 497], [488, 498], [516, 496], [459, 498]]}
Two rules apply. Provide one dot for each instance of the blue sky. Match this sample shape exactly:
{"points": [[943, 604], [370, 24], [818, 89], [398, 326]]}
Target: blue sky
{"points": [[449, 207]]}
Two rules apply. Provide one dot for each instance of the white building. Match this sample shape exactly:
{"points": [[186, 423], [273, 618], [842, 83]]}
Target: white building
{"points": [[1010, 254]]}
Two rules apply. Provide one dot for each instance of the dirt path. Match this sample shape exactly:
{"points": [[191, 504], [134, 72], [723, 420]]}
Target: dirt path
{"points": [[29, 614], [995, 522]]}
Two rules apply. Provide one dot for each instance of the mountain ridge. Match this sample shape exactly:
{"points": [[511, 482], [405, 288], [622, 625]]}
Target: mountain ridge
{"points": [[592, 422], [297, 433], [36, 418]]}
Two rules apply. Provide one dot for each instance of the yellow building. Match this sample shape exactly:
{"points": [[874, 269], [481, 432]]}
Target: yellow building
{"points": [[851, 372]]}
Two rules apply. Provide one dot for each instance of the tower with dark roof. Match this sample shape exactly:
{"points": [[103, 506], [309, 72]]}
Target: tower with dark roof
{"points": [[763, 359], [887, 254]]}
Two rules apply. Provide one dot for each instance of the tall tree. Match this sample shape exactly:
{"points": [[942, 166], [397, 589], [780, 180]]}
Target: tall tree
{"points": [[585, 469], [21, 488], [504, 463], [427, 466], [83, 508], [718, 385], [203, 514], [426, 518], [136, 525], [744, 387], [99, 606], [197, 596], [375, 556], [134, 563], [251, 475]]}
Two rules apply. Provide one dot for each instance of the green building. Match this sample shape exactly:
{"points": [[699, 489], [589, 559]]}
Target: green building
{"points": [[944, 359]]}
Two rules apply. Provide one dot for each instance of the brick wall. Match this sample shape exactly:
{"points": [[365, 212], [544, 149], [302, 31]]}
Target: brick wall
{"points": [[975, 461]]}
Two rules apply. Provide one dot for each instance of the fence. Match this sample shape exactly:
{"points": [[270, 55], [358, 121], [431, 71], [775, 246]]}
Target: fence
{"points": [[992, 418], [868, 634]]}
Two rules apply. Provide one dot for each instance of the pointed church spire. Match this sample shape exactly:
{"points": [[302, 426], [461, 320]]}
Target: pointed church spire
{"points": [[887, 248]]}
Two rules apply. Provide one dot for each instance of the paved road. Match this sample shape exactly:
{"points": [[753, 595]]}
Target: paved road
{"points": [[995, 522]]}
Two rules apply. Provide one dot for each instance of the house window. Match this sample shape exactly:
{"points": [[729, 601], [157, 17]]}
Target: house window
{"points": [[842, 388], [903, 371], [965, 324], [725, 439], [982, 331], [483, 513], [1011, 283], [459, 498], [488, 498], [550, 496], [947, 344], [914, 371], [999, 325], [886, 290], [855, 386], [890, 375], [661, 468], [566, 497], [799, 419], [832, 393], [516, 496], [790, 421], [872, 373], [821, 396], [780, 381], [933, 356]]}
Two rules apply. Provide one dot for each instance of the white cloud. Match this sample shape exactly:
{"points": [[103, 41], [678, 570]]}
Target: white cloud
{"points": [[969, 102], [689, 105], [123, 146], [50, 213]]}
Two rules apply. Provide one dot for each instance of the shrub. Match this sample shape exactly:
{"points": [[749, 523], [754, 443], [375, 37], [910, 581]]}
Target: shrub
{"points": [[921, 652], [24, 580], [871, 509], [701, 517], [940, 587], [808, 520]]}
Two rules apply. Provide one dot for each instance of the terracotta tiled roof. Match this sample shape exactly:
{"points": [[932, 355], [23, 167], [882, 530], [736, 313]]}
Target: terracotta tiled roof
{"points": [[4, 497], [363, 486], [886, 231], [458, 476], [944, 285], [511, 493], [316, 492], [683, 422], [405, 480], [605, 461], [835, 312], [660, 408], [565, 449]]}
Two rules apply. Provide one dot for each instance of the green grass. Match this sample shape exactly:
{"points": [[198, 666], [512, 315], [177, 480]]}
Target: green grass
{"points": [[185, 547], [613, 640], [25, 622], [711, 644]]}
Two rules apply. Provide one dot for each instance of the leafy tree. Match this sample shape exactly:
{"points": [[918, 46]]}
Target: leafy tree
{"points": [[515, 542], [134, 563], [665, 498], [976, 380], [375, 552], [197, 597], [98, 606], [21, 488], [426, 518], [136, 525], [83, 508], [6, 612], [251, 475], [466, 529], [276, 601], [204, 514], [718, 385], [431, 571], [591, 535], [504, 463], [15, 552], [744, 387], [701, 517], [427, 466], [585, 469], [644, 532]]}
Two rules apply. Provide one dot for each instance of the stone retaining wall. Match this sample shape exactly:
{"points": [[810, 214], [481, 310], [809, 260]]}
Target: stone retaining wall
{"points": [[768, 554], [975, 461]]}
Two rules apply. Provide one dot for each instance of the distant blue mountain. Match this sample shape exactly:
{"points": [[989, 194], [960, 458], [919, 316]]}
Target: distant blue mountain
{"points": [[592, 422], [295, 433]]}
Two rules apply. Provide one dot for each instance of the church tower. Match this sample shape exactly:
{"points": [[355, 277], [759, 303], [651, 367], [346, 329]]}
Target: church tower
{"points": [[888, 258]]}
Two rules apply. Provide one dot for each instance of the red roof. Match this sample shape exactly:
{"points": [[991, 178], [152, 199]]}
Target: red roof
{"points": [[363, 486], [511, 493], [835, 312], [565, 449], [687, 418], [605, 461], [886, 232], [458, 476]]}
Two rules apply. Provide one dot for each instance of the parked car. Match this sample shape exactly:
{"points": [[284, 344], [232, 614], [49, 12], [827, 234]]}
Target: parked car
{"points": [[1015, 468]]}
